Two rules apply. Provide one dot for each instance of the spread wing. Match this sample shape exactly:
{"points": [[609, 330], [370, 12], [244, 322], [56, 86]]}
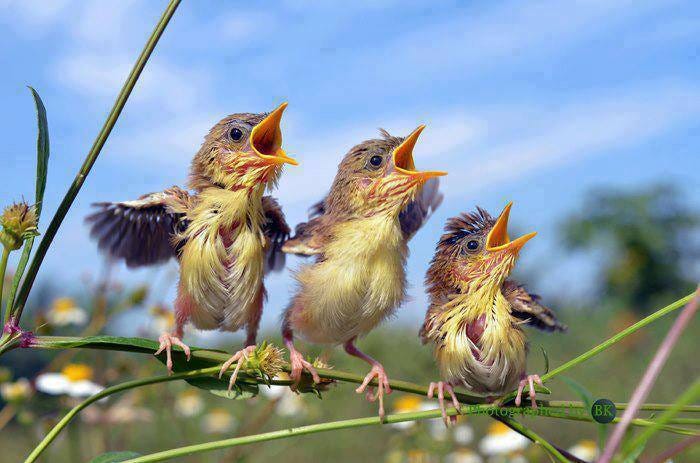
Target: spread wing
{"points": [[277, 231], [141, 232], [418, 211], [310, 236], [528, 309]]}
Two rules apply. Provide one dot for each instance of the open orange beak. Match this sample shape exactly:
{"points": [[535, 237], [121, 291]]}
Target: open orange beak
{"points": [[266, 139], [498, 240], [403, 158]]}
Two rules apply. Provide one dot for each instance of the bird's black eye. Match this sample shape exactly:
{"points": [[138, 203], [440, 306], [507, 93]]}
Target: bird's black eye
{"points": [[375, 161], [236, 134], [473, 245]]}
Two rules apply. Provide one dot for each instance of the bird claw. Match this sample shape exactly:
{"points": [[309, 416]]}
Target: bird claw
{"points": [[378, 372], [441, 388], [240, 357], [298, 365], [529, 381], [166, 344]]}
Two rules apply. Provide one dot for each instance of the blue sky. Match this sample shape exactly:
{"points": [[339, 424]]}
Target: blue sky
{"points": [[535, 102]]}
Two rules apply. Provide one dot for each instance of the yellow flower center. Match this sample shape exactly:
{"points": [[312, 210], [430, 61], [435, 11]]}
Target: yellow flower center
{"points": [[588, 444], [64, 305], [77, 372], [497, 428], [407, 403]]}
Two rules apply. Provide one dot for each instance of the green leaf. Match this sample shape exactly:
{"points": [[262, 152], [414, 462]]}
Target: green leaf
{"points": [[219, 387], [42, 150], [42, 167], [115, 457], [201, 358]]}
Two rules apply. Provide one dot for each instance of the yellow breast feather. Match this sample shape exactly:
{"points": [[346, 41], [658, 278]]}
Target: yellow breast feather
{"points": [[222, 259], [493, 362], [359, 282]]}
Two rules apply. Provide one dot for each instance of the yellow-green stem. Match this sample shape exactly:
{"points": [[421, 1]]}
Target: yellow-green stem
{"points": [[324, 427], [105, 393], [3, 267], [618, 337]]}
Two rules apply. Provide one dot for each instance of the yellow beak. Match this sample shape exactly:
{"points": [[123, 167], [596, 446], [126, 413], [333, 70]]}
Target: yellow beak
{"points": [[403, 158], [266, 139], [498, 240]]}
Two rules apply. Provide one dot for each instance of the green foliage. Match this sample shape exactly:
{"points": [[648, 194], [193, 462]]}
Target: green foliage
{"points": [[645, 237]]}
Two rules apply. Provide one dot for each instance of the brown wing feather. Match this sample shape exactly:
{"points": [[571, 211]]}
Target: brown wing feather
{"points": [[141, 232], [277, 231], [528, 309]]}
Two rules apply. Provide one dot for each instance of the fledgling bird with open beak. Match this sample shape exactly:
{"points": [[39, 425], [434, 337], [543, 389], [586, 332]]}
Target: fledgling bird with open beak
{"points": [[378, 200], [225, 234], [476, 313]]}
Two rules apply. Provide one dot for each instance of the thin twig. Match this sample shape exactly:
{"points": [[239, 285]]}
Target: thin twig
{"points": [[649, 378]]}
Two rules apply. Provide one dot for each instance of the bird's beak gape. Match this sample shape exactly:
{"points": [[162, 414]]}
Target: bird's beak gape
{"points": [[498, 240], [403, 158], [266, 139]]}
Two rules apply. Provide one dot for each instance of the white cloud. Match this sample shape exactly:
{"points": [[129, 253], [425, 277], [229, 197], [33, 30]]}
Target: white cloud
{"points": [[163, 85], [566, 135], [34, 13]]}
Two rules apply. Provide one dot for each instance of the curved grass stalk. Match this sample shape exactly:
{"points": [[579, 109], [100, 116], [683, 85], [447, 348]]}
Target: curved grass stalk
{"points": [[325, 427], [618, 337], [94, 152], [106, 393]]}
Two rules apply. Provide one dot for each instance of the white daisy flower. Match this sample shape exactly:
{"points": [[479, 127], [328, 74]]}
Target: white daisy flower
{"points": [[75, 380], [463, 434], [288, 403], [15, 392], [218, 421], [463, 456], [585, 449], [189, 403], [502, 440], [64, 311], [274, 391]]}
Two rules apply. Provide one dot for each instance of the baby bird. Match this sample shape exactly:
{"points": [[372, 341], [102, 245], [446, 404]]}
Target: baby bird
{"points": [[225, 234], [360, 241], [476, 312]]}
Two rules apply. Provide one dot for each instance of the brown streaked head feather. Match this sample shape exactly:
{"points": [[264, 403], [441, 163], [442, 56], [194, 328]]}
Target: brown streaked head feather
{"points": [[242, 150]]}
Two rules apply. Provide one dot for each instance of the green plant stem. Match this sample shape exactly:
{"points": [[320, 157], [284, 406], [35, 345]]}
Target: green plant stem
{"points": [[618, 337], [94, 152], [639, 422], [105, 393], [3, 268], [218, 357], [690, 395], [323, 427], [654, 407]]}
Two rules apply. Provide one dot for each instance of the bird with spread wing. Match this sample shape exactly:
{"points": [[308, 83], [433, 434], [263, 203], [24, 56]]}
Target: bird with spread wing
{"points": [[359, 238], [225, 234], [476, 312]]}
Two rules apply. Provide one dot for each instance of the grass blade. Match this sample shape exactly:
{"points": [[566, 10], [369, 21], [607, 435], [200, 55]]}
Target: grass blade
{"points": [[42, 167]]}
